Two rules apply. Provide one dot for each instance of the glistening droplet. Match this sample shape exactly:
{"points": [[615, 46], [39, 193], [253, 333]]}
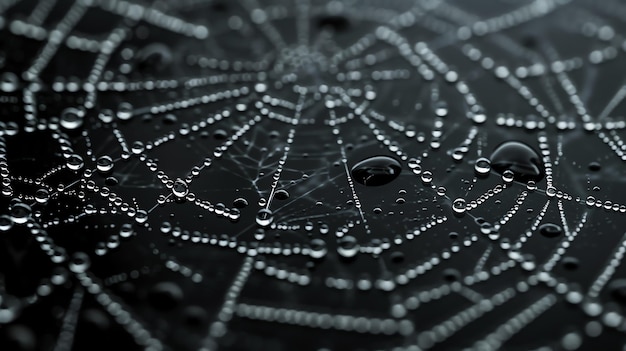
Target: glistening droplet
{"points": [[264, 217], [521, 159], [376, 171], [550, 230]]}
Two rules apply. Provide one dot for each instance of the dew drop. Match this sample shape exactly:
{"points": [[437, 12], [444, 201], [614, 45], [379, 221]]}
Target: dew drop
{"points": [[20, 212], [550, 230], [124, 111], [154, 55], [521, 159], [240, 202], [180, 188], [348, 246], [618, 290], [80, 262], [376, 171], [482, 166], [106, 116], [594, 166], [126, 230], [71, 118], [281, 194], [318, 248], [75, 162], [42, 195], [508, 176], [264, 217], [104, 164], [165, 295], [9, 82], [459, 205]]}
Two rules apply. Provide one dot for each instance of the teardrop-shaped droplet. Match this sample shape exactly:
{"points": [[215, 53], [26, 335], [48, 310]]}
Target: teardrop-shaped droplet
{"points": [[376, 171], [521, 159]]}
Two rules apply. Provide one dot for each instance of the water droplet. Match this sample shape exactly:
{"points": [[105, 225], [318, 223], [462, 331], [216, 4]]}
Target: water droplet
{"points": [[550, 230], [104, 164], [9, 82], [42, 195], [397, 257], [618, 290], [20, 212], [520, 158], [126, 230], [376, 171], [336, 23], [106, 116], [281, 194], [75, 162], [154, 56], [508, 176], [482, 166], [459, 205], [165, 295], [124, 111], [9, 308], [80, 262], [348, 246], [180, 188], [137, 147], [594, 166], [240, 202], [5, 223], [570, 263], [264, 217], [318, 248], [71, 118]]}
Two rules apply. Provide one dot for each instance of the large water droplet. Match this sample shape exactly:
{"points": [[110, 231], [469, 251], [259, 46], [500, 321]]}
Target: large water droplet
{"points": [[520, 158], [377, 170]]}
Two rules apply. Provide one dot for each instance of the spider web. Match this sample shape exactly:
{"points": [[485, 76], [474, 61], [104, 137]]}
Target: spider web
{"points": [[184, 175]]}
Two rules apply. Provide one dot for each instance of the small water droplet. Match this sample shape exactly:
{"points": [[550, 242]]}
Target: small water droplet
{"points": [[180, 188], [482, 166], [318, 248], [80, 262], [459, 205], [104, 164], [264, 217], [124, 111], [347, 246], [71, 118]]}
